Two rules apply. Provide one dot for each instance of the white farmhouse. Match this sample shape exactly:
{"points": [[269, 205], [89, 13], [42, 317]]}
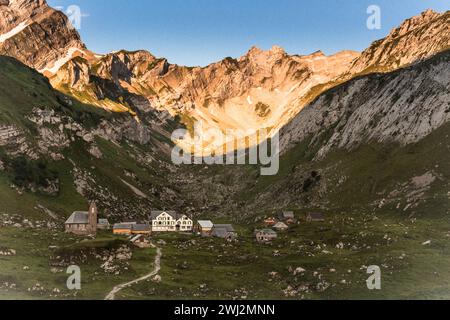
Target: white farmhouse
{"points": [[170, 221]]}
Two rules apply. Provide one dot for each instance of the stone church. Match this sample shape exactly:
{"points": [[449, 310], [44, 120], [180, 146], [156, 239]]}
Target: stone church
{"points": [[82, 222]]}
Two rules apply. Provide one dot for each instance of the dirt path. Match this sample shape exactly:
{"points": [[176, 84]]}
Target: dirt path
{"points": [[155, 271]]}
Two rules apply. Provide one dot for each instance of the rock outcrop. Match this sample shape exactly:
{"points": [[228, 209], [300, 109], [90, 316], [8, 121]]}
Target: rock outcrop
{"points": [[401, 107], [415, 40], [37, 35], [261, 89]]}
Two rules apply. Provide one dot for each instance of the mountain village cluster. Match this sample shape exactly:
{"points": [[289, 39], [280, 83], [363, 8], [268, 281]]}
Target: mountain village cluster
{"points": [[87, 223]]}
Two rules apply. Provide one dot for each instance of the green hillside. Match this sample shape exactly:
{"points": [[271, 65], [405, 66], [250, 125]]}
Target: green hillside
{"points": [[21, 91], [384, 204]]}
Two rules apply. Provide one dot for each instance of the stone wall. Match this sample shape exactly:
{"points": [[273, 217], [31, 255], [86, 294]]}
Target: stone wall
{"points": [[9, 135]]}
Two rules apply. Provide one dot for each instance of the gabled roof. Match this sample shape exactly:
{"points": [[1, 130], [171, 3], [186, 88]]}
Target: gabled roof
{"points": [[181, 215], [205, 223], [223, 230], [140, 227], [280, 225], [227, 227], [103, 221], [155, 214], [220, 233], [123, 226], [287, 214], [173, 214], [78, 217]]}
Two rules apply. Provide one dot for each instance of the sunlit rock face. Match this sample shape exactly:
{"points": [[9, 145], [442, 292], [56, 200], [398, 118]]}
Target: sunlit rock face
{"points": [[416, 39], [36, 34], [263, 89]]}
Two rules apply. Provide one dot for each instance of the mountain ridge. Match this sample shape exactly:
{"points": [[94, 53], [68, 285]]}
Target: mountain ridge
{"points": [[225, 94]]}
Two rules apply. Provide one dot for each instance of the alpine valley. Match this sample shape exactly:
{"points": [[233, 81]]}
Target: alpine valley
{"points": [[364, 140]]}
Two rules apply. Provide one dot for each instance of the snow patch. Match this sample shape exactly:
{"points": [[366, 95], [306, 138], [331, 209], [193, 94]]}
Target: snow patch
{"points": [[14, 31], [249, 100], [62, 61]]}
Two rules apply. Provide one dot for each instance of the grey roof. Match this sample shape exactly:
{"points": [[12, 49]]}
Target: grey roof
{"points": [[103, 221], [140, 227], [220, 232], [78, 217], [223, 230], [227, 227], [280, 225], [287, 214], [205, 223], [122, 226]]}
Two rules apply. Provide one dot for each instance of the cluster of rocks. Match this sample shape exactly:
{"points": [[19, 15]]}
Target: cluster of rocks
{"points": [[37, 288], [83, 181], [17, 221], [9, 135], [412, 191], [88, 186], [57, 132], [115, 261], [14, 140], [5, 286], [240, 294], [11, 220], [7, 252]]}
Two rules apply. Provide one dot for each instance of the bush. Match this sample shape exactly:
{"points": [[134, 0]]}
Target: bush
{"points": [[27, 173]]}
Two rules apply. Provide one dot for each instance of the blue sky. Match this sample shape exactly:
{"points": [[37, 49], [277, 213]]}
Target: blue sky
{"points": [[198, 32]]}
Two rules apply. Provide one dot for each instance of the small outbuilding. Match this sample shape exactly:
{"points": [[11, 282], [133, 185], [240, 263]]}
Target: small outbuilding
{"points": [[269, 222], [281, 226], [287, 216], [265, 235], [224, 231], [141, 229], [315, 217], [103, 224], [122, 228], [204, 227]]}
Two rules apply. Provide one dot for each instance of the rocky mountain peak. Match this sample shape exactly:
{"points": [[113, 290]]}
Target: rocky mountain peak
{"points": [[416, 39], [256, 53], [261, 89], [277, 50], [23, 4], [22, 8], [13, 12], [414, 22], [37, 35]]}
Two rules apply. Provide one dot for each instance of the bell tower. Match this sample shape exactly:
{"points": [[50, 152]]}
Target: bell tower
{"points": [[93, 213]]}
